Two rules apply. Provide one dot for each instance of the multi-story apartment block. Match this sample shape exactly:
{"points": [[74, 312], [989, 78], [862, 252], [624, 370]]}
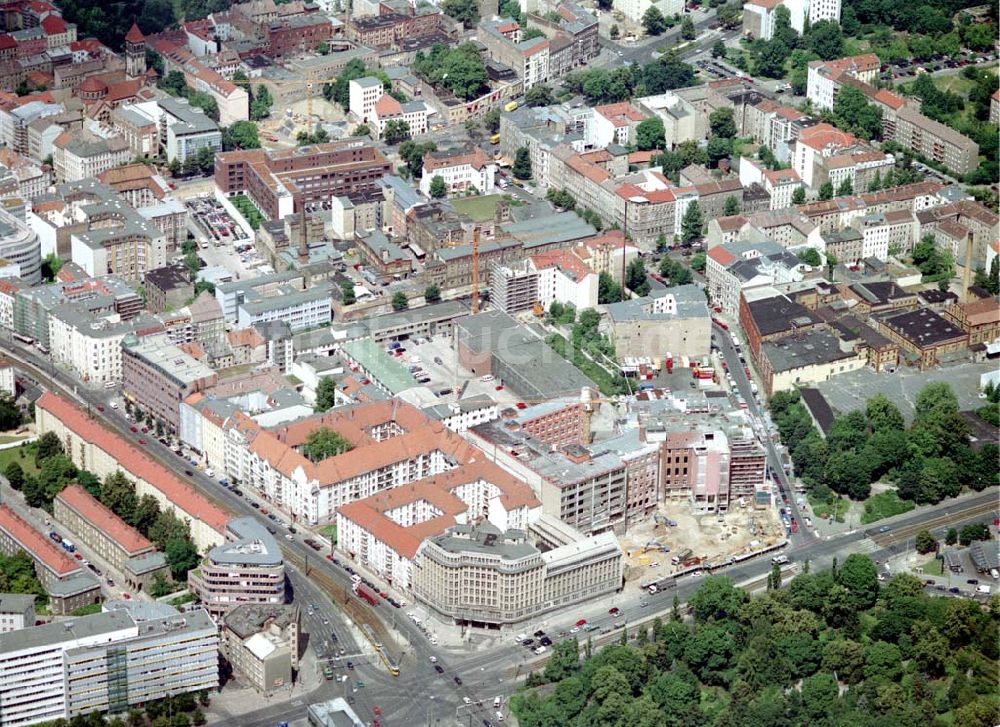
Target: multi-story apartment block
{"points": [[80, 154], [840, 212], [97, 527], [384, 531], [681, 119], [184, 129], [90, 344], [980, 319], [615, 124], [394, 444], [299, 309], [157, 376], [363, 94], [887, 233], [737, 266], [261, 643], [902, 121], [460, 172], [529, 59], [94, 448], [809, 12], [17, 611], [413, 113], [248, 568], [675, 320], [635, 9], [69, 586], [105, 662], [954, 225], [573, 40], [280, 182], [481, 574]]}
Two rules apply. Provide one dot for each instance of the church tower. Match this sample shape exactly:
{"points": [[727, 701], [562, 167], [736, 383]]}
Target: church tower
{"points": [[135, 53]]}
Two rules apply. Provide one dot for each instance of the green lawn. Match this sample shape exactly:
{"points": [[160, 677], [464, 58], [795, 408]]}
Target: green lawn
{"points": [[8, 438], [883, 505], [329, 531], [934, 567], [822, 509], [246, 208], [14, 455], [479, 209]]}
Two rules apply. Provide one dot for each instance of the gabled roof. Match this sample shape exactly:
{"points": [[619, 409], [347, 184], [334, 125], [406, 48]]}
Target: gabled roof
{"points": [[135, 35]]}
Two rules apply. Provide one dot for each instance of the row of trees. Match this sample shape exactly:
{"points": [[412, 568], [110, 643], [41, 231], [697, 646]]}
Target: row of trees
{"points": [[460, 69], [834, 648], [600, 85], [56, 470], [928, 461]]}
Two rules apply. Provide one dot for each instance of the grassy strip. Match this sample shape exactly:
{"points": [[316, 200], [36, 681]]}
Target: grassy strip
{"points": [[883, 505]]}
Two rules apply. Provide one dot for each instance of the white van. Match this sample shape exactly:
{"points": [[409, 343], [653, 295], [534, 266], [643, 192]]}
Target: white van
{"points": [[487, 378], [499, 716], [779, 559], [984, 589], [497, 701]]}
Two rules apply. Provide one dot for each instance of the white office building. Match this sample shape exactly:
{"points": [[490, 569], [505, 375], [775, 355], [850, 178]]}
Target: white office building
{"points": [[363, 93], [105, 662]]}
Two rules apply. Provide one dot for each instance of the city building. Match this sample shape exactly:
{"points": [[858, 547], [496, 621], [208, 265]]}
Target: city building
{"points": [[675, 320], [765, 313], [363, 94], [168, 287], [17, 611], [460, 172], [261, 643], [185, 129], [105, 662], [384, 531], [413, 113], [279, 182], [98, 528], [69, 586], [615, 124], [334, 713], [20, 246], [924, 337], [247, 569], [482, 575], [80, 154], [736, 266], [300, 309], [980, 319], [101, 451], [802, 358], [635, 9], [158, 376], [90, 344]]}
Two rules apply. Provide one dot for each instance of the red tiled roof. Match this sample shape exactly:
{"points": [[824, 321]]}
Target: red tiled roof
{"points": [[53, 25], [721, 255], [476, 159], [766, 4], [37, 545], [782, 176], [620, 114], [134, 462], [369, 513], [388, 106], [102, 518], [890, 99], [135, 35], [7, 42]]}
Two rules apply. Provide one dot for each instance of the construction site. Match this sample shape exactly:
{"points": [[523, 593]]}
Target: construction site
{"points": [[675, 539]]}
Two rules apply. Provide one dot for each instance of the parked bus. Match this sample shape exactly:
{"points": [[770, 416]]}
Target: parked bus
{"points": [[26, 340]]}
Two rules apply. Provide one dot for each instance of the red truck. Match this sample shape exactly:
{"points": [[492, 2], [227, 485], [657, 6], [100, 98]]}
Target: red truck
{"points": [[366, 595]]}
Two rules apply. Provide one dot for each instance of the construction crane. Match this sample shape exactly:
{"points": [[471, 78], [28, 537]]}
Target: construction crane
{"points": [[310, 84]]}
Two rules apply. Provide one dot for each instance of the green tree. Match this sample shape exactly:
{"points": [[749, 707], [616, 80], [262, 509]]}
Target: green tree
{"points": [[326, 394], [799, 195], [539, 95], [181, 555], [810, 256], [691, 222], [653, 21], [698, 261], [564, 661], [260, 107], [883, 414], [717, 599], [347, 293], [853, 113], [719, 49], [522, 164], [688, 31], [400, 301], [464, 11], [859, 577], [323, 443], [362, 130], [14, 474], [925, 542], [396, 131], [438, 187], [146, 513], [831, 264], [845, 188], [614, 33], [732, 206], [649, 134], [826, 39], [721, 123], [118, 495], [51, 264], [47, 446], [432, 293], [826, 190], [492, 120], [635, 277], [240, 135], [608, 291]]}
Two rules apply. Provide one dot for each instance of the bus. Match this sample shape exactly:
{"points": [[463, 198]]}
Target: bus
{"points": [[26, 340], [370, 633], [389, 662]]}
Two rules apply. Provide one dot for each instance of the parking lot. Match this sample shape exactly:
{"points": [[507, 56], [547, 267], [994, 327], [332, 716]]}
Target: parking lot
{"points": [[217, 225]]}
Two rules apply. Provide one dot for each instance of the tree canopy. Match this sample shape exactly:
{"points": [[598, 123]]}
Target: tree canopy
{"points": [[324, 442]]}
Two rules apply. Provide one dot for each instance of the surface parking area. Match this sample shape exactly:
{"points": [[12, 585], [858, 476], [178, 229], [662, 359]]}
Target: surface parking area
{"points": [[218, 225]]}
